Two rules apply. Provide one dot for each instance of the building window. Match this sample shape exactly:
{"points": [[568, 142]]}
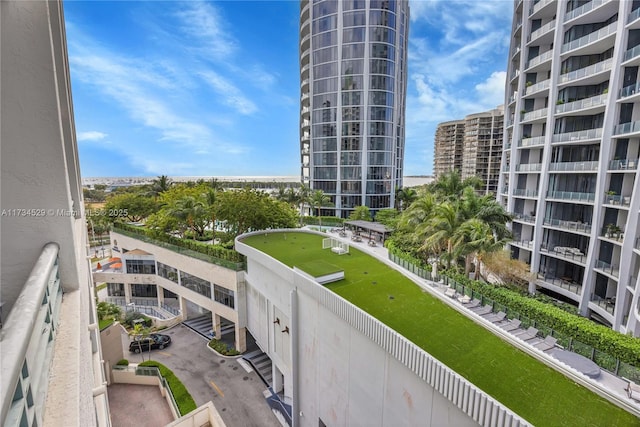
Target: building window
{"points": [[140, 266], [224, 296], [168, 272], [145, 291], [115, 289], [196, 284]]}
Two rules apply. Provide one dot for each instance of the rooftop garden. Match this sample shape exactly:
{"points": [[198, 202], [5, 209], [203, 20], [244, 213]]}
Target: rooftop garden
{"points": [[536, 392]]}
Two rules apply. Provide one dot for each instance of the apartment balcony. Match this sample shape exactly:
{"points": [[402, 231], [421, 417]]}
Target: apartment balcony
{"points": [[627, 129], [572, 196], [520, 192], [572, 226], [586, 8], [615, 200], [305, 124], [545, 29], [305, 111], [523, 244], [592, 74], [565, 253], [592, 43], [529, 219], [506, 146], [633, 16], [528, 167], [539, 60], [539, 115], [607, 268], [538, 7], [631, 56], [583, 106], [514, 75], [578, 136], [304, 84], [536, 141], [515, 52], [304, 97], [607, 304], [565, 283], [612, 233], [574, 166], [623, 165], [518, 27], [538, 87]]}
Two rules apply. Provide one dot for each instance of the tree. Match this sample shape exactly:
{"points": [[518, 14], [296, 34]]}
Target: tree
{"points": [[140, 333], [404, 198], [438, 233], [303, 194], [159, 185], [317, 200], [474, 239], [211, 204], [193, 212], [388, 217], [361, 213], [133, 207], [509, 270], [450, 186]]}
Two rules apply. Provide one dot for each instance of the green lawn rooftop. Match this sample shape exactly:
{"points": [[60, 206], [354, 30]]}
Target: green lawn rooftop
{"points": [[536, 392]]}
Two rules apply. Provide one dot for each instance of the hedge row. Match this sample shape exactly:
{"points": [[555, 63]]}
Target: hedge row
{"points": [[329, 221], [223, 348], [215, 251], [392, 248], [182, 397], [624, 347]]}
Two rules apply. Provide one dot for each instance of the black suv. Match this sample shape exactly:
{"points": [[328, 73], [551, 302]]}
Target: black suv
{"points": [[153, 341]]}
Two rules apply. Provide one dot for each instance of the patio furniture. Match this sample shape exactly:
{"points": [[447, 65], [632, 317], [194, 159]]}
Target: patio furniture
{"points": [[528, 334], [473, 304], [372, 243], [483, 310], [464, 299], [450, 292], [548, 343], [633, 390], [496, 317], [512, 325]]}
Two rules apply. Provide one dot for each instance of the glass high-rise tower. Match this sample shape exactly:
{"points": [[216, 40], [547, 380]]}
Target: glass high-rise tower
{"points": [[353, 79]]}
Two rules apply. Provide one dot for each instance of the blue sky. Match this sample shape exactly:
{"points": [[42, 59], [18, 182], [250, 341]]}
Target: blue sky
{"points": [[212, 88]]}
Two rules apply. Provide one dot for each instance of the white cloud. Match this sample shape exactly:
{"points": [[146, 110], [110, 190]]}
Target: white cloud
{"points": [[232, 96], [491, 91], [91, 136], [202, 21]]}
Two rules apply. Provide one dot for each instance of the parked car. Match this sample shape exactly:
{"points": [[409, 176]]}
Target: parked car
{"points": [[153, 341]]}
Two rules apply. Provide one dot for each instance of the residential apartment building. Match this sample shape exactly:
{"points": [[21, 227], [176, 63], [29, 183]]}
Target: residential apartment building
{"points": [[471, 147], [50, 356], [570, 160], [353, 74], [448, 145], [482, 148]]}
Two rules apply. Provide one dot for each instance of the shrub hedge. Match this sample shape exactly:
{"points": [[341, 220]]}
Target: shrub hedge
{"points": [[123, 362], [329, 221], [182, 397], [394, 249], [223, 348], [624, 347]]}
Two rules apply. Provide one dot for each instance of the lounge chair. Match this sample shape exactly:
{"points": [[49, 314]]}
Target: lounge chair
{"points": [[464, 299], [450, 292], [496, 317], [528, 334], [548, 343], [511, 325], [473, 304], [483, 310], [633, 390]]}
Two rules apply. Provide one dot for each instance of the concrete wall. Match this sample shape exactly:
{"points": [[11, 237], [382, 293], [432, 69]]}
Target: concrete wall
{"points": [[112, 353], [347, 368]]}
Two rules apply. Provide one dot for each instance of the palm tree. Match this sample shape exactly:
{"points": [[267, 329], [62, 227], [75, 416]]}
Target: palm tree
{"points": [[474, 239], [317, 200], [193, 212], [419, 211], [450, 186], [438, 233], [160, 185], [404, 198], [210, 200], [303, 197]]}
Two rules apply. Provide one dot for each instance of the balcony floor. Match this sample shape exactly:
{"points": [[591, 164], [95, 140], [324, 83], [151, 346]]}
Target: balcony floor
{"points": [[135, 405]]}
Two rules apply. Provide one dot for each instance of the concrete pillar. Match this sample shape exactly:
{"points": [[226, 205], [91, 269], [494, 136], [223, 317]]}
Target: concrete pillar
{"points": [[217, 329], [278, 379], [241, 339], [127, 292], [183, 307], [160, 292]]}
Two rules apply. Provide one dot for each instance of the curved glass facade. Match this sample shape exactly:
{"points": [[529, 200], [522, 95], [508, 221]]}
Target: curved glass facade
{"points": [[353, 72]]}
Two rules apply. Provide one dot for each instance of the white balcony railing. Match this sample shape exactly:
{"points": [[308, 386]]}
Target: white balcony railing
{"points": [[574, 166], [581, 135], [594, 101], [540, 31], [540, 59], [631, 53], [529, 167], [629, 90], [535, 114], [537, 6], [571, 195], [530, 142], [584, 9], [599, 67], [525, 193], [568, 225], [537, 87], [590, 38], [28, 338], [631, 127]]}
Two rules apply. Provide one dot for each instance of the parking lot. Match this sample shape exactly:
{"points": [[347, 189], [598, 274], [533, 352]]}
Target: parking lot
{"points": [[236, 393]]}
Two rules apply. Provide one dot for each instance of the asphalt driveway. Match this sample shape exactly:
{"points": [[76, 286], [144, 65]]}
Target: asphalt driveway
{"points": [[236, 393]]}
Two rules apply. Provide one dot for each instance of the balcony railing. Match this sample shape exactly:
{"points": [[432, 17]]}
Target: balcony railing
{"points": [[525, 193], [572, 195], [624, 164], [629, 90], [594, 101], [608, 304], [537, 87], [564, 283], [529, 167], [530, 142], [630, 127], [612, 199], [30, 334], [540, 31], [537, 6], [577, 136], [635, 14], [536, 114], [631, 53], [612, 269], [539, 59], [523, 217], [574, 166], [587, 71], [515, 51], [568, 225], [566, 252], [590, 38], [584, 9]]}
